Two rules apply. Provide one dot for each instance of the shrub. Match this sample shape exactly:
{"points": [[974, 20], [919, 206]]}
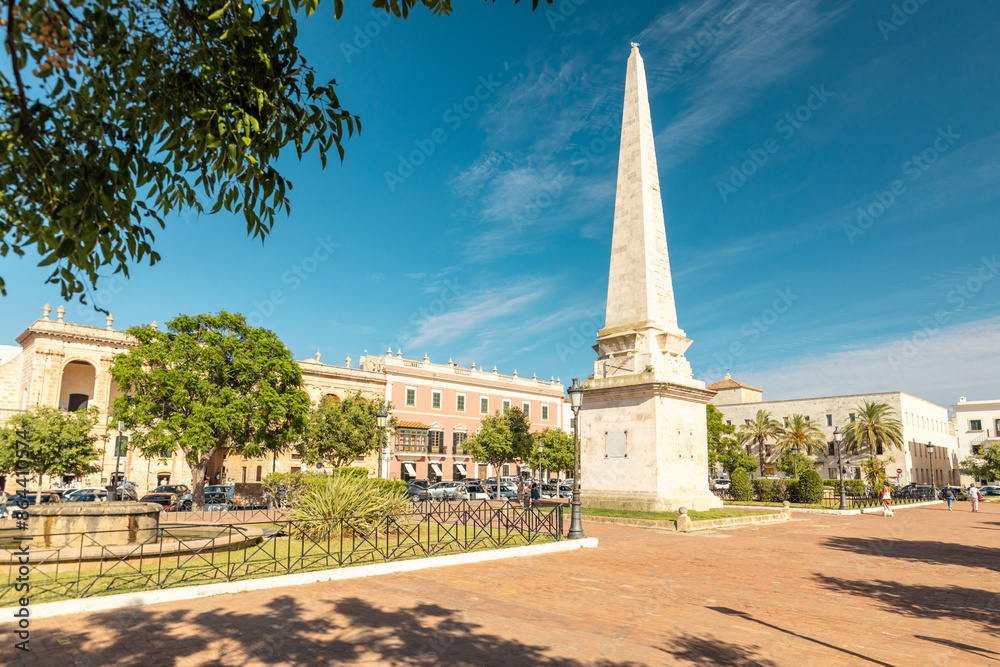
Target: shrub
{"points": [[740, 487], [809, 488], [349, 471], [771, 490], [852, 486], [347, 504]]}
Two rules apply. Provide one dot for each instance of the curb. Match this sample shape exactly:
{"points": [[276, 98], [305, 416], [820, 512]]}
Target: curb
{"points": [[775, 516], [867, 510], [139, 599]]}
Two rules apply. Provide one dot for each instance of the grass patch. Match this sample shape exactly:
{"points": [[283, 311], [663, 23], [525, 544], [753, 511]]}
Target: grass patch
{"points": [[671, 516], [761, 503], [268, 557]]}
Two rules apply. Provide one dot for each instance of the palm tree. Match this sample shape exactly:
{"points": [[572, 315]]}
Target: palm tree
{"points": [[801, 434], [875, 430], [760, 429]]}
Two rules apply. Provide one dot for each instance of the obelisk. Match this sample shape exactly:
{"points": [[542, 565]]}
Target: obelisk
{"points": [[643, 432]]}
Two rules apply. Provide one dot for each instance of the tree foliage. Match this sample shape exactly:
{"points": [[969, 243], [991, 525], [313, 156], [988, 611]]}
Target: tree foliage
{"points": [[59, 443], [503, 437], [557, 450], [209, 382], [874, 432], [985, 465], [760, 430], [718, 444], [740, 488], [118, 113], [340, 431], [793, 463]]}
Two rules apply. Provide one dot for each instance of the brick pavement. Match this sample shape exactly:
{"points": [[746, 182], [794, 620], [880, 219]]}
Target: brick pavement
{"points": [[922, 588]]}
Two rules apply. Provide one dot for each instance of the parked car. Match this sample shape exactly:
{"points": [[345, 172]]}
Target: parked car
{"points": [[15, 500], [214, 502], [991, 492], [508, 491], [721, 484], [88, 498], [176, 489], [442, 490], [416, 492], [471, 492], [87, 489], [422, 483], [228, 490], [163, 499], [565, 491], [960, 493]]}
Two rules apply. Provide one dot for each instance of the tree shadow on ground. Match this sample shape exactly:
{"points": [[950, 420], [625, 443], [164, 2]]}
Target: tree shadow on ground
{"points": [[708, 650], [959, 646], [930, 602], [925, 551], [294, 631]]}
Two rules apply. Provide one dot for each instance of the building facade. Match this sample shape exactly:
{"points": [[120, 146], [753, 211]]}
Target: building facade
{"points": [[977, 425], [439, 407], [922, 422]]}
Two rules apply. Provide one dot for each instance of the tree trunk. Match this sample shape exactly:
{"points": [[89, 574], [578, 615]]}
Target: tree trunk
{"points": [[198, 480], [38, 493], [760, 453]]}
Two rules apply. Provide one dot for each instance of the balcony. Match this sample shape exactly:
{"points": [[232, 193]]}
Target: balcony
{"points": [[459, 450], [435, 449], [411, 448]]}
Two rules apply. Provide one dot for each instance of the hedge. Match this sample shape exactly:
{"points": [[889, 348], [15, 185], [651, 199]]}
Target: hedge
{"points": [[855, 487], [771, 490], [809, 488], [740, 487]]}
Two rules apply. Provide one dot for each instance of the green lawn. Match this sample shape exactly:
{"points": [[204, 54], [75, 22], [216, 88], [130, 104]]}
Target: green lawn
{"points": [[760, 503], [268, 557], [671, 516]]}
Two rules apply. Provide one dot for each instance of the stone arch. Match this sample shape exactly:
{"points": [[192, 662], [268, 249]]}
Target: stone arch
{"points": [[329, 396], [77, 384]]}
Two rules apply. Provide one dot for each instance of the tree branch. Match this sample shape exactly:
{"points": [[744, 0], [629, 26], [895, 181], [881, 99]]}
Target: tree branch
{"points": [[12, 48]]}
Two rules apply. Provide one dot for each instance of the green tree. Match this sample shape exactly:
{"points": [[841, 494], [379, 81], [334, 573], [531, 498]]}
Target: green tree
{"points": [[118, 113], [557, 450], [759, 430], [718, 444], [741, 489], [503, 437], [801, 434], [874, 432], [985, 465], [208, 383], [793, 463], [59, 443], [341, 431]]}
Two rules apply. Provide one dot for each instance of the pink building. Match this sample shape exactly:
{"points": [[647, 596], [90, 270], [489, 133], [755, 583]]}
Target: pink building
{"points": [[439, 407]]}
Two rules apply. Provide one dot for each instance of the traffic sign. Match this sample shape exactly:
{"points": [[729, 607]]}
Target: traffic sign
{"points": [[899, 471]]}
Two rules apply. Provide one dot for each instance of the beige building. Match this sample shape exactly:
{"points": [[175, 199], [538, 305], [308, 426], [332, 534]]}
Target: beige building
{"points": [[730, 392], [923, 422], [65, 365], [977, 425]]}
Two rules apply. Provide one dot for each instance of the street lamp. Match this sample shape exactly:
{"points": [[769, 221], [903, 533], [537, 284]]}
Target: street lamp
{"points": [[576, 521], [380, 418], [838, 437], [930, 455], [541, 446], [795, 461]]}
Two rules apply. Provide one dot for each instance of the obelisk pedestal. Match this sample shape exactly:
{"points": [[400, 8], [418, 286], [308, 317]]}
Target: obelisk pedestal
{"points": [[643, 430]]}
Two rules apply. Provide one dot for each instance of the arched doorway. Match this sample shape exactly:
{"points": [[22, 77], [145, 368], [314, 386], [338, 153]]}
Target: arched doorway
{"points": [[162, 478], [76, 387]]}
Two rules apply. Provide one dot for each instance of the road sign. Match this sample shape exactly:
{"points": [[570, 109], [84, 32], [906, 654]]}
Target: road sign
{"points": [[899, 471]]}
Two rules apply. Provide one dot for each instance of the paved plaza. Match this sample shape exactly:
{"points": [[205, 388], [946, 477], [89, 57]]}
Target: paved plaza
{"points": [[922, 588]]}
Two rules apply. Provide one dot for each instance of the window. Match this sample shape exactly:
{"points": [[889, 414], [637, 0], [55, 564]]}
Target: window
{"points": [[506, 404], [830, 448], [458, 472], [484, 405], [411, 396], [786, 421], [260, 471], [545, 413], [460, 402], [436, 400], [572, 422], [436, 440], [244, 474], [852, 416], [411, 440], [996, 427], [458, 439], [526, 408], [975, 425], [505, 472], [729, 422]]}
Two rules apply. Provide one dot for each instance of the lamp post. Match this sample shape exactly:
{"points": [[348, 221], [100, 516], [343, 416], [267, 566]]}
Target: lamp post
{"points": [[120, 441], [838, 437], [576, 521], [541, 446], [795, 461], [930, 455], [380, 418]]}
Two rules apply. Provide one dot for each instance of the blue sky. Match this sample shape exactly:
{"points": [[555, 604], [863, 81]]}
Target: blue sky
{"points": [[483, 233]]}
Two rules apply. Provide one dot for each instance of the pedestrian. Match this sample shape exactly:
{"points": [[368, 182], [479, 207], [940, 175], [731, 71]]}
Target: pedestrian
{"points": [[887, 500], [974, 496], [949, 496], [520, 490]]}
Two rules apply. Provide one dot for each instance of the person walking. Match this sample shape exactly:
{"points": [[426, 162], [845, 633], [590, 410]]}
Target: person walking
{"points": [[949, 496], [887, 500], [974, 496]]}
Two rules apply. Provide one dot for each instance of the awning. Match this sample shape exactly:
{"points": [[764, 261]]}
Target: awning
{"points": [[461, 468], [409, 468], [436, 467]]}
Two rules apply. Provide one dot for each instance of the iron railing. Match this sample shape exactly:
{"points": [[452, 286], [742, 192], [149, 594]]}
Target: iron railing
{"points": [[212, 548], [854, 500]]}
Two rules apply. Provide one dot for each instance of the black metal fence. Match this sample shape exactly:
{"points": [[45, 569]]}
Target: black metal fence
{"points": [[830, 500], [203, 552]]}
